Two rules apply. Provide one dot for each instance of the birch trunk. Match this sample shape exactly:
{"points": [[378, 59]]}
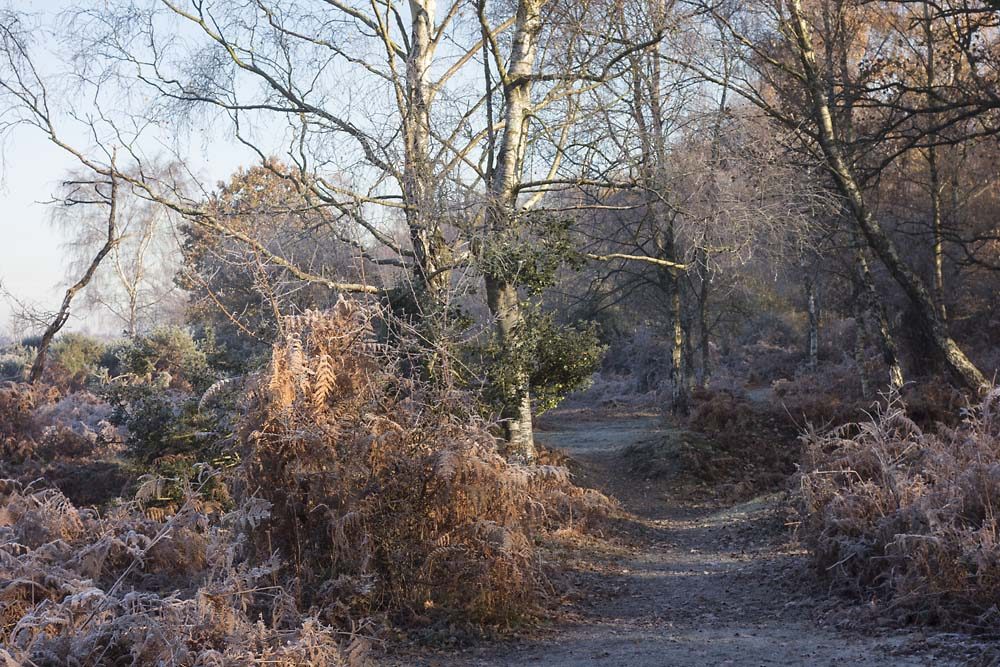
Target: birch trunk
{"points": [[679, 393], [429, 249], [938, 230], [704, 344], [880, 242], [812, 310], [936, 187], [860, 356], [501, 292], [877, 320], [38, 366]]}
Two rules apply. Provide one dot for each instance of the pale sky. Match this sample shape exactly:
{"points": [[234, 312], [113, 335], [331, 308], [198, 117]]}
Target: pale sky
{"points": [[32, 260], [33, 264]]}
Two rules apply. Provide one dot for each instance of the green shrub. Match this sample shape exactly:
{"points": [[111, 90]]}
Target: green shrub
{"points": [[228, 354], [159, 381], [165, 422], [170, 355], [76, 359], [559, 360]]}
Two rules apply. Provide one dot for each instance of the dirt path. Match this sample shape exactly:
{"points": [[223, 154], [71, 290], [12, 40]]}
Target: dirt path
{"points": [[703, 586]]}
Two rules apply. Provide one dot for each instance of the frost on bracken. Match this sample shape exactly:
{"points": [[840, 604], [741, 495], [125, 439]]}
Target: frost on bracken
{"points": [[364, 500], [908, 516]]}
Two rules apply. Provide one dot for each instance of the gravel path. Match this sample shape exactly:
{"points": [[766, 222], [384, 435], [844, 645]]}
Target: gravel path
{"points": [[703, 586]]}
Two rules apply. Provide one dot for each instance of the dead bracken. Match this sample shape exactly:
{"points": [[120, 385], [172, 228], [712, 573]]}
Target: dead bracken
{"points": [[906, 516], [362, 498]]}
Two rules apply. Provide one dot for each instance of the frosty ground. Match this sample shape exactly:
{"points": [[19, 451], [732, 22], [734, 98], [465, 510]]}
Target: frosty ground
{"points": [[696, 582]]}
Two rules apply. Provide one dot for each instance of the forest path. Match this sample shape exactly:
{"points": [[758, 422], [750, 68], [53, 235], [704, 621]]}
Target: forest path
{"points": [[699, 585]]}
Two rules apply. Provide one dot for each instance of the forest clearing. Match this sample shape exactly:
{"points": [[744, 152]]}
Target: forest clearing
{"points": [[499, 332]]}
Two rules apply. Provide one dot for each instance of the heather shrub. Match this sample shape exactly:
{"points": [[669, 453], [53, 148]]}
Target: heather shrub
{"points": [[388, 495], [76, 425], [933, 401], [828, 396], [15, 360], [17, 426], [764, 362], [66, 440], [751, 438], [907, 517]]}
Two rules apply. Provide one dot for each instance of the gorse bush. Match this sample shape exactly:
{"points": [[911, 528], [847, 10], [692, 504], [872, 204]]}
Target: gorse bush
{"points": [[909, 517], [168, 356], [75, 360], [387, 495], [159, 421], [155, 392]]}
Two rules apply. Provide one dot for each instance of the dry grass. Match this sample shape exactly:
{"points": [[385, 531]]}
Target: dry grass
{"points": [[908, 517], [746, 447]]}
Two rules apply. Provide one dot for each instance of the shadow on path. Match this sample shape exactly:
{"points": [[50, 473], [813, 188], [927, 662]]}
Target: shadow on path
{"points": [[708, 585]]}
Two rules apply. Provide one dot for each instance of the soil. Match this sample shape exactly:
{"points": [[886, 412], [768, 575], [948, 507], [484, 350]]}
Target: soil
{"points": [[693, 582]]}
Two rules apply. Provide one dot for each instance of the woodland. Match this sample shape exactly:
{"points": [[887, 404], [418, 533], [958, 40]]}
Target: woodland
{"points": [[501, 332]]}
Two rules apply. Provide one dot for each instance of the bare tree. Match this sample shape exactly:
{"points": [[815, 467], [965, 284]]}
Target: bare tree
{"points": [[409, 148], [777, 39], [81, 194], [136, 284]]}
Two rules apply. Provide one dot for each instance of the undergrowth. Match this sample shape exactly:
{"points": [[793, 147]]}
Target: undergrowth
{"points": [[358, 502], [907, 517], [78, 588], [389, 495], [744, 447]]}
